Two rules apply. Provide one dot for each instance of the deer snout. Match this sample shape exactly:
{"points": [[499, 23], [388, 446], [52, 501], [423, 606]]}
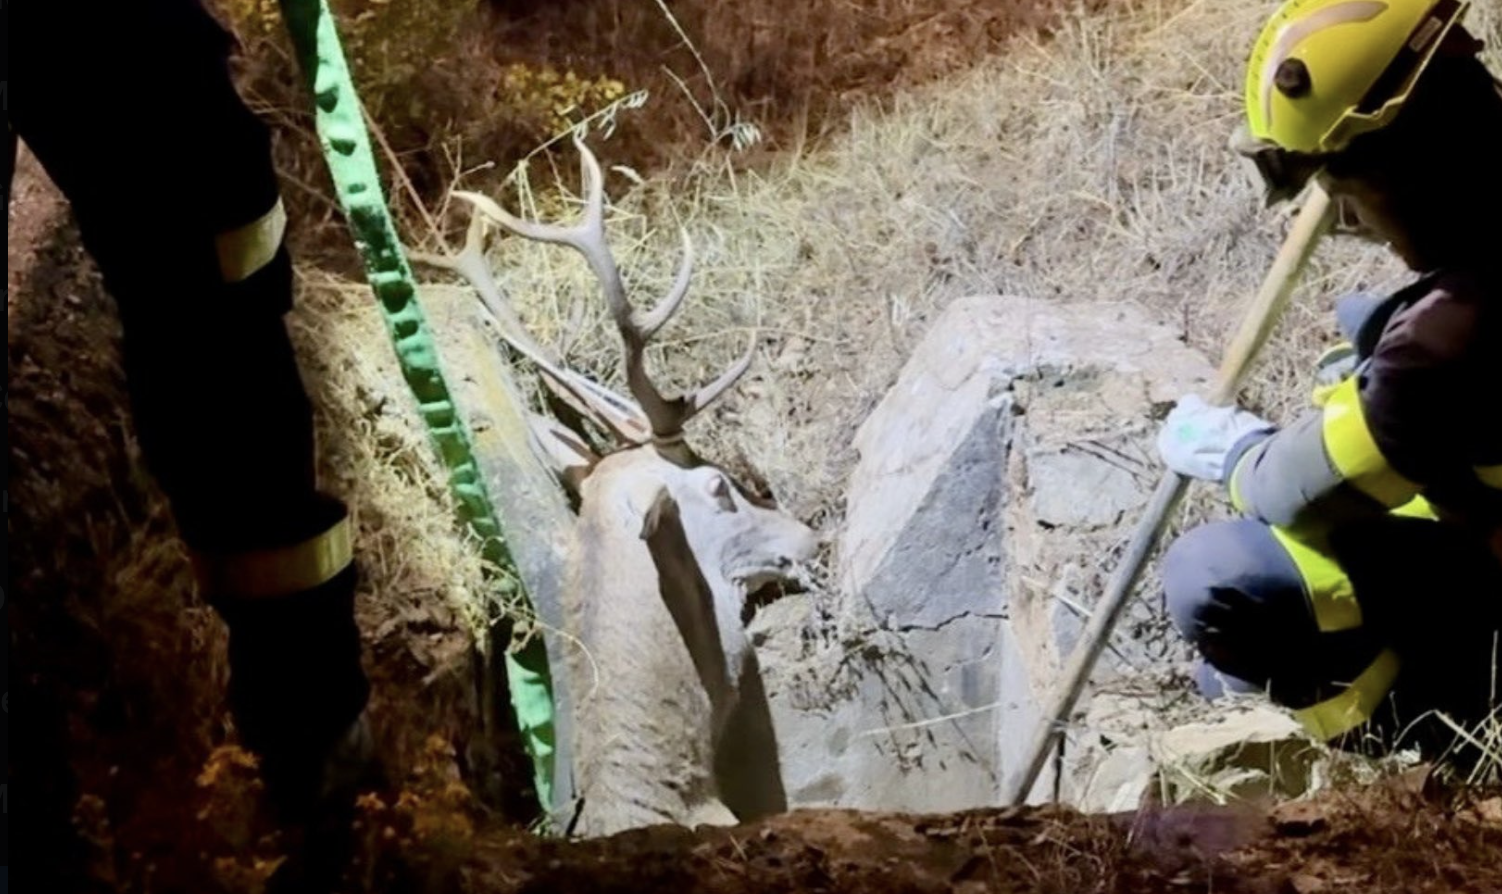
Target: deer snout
{"points": [[782, 542], [798, 544], [805, 543]]}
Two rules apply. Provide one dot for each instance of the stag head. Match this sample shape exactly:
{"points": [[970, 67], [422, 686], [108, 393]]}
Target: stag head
{"points": [[665, 543], [653, 474]]}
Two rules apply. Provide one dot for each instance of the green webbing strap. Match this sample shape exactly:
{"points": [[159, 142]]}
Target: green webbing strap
{"points": [[346, 147]]}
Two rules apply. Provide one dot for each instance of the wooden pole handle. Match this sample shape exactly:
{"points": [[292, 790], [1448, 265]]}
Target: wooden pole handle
{"points": [[1257, 325], [1267, 307]]}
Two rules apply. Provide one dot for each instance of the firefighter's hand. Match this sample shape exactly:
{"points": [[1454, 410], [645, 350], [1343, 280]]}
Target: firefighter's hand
{"points": [[1334, 366], [1353, 313], [1197, 437]]}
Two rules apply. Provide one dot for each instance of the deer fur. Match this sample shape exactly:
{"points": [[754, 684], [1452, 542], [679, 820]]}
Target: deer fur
{"points": [[665, 552], [663, 562]]}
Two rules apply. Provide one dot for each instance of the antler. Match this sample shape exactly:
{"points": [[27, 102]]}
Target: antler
{"points": [[611, 411], [667, 416]]}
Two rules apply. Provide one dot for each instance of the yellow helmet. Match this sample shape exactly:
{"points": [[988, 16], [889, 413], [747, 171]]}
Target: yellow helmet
{"points": [[1325, 71]]}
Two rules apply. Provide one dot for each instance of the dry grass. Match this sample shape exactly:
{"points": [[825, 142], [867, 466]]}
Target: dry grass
{"points": [[1090, 166], [455, 80], [404, 508]]}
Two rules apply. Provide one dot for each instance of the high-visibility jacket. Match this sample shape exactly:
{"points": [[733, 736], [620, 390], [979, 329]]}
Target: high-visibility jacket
{"points": [[1415, 430]]}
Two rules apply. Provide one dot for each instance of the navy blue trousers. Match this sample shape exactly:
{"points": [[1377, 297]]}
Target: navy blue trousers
{"points": [[1426, 590]]}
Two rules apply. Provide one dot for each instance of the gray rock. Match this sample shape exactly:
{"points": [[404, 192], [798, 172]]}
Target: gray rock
{"points": [[1080, 489], [1232, 752], [896, 717], [1005, 463]]}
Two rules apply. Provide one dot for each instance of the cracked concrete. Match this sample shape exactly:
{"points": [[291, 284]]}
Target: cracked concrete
{"points": [[934, 628], [1011, 453]]}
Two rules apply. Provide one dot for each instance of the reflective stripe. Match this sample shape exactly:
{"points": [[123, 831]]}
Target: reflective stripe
{"points": [[1354, 452], [245, 250], [1418, 507], [277, 572], [1342, 713], [1296, 32], [1237, 501], [1331, 594]]}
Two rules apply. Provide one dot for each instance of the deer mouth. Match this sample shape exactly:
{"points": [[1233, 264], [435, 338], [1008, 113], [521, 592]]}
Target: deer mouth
{"points": [[754, 577]]}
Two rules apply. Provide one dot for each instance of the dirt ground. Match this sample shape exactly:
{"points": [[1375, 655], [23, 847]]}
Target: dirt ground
{"points": [[1383, 842], [127, 759], [1395, 838]]}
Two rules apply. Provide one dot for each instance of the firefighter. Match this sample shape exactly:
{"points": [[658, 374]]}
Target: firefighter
{"points": [[1361, 585], [131, 110]]}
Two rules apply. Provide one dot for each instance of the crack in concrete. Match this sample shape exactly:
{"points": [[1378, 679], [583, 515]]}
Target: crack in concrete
{"points": [[934, 628]]}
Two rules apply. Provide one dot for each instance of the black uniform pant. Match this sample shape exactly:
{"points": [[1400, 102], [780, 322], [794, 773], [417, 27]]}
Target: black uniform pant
{"points": [[131, 110], [1427, 591]]}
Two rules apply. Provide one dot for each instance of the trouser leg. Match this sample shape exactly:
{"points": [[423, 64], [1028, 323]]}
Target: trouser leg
{"points": [[131, 110], [1237, 596], [1434, 593], [1428, 596]]}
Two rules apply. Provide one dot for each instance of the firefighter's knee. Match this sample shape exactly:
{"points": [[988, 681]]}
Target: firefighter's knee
{"points": [[1234, 593], [1228, 574], [1189, 578], [225, 423]]}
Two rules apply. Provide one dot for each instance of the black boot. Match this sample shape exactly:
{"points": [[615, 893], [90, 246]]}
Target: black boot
{"points": [[296, 684], [321, 825], [298, 693]]}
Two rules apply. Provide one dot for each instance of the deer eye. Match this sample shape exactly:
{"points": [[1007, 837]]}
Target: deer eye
{"points": [[719, 490]]}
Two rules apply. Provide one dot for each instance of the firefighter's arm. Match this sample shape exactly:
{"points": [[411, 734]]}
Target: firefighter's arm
{"points": [[1376, 438], [1321, 470]]}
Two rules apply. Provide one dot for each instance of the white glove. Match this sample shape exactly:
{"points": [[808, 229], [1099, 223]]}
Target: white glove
{"points": [[1196, 437]]}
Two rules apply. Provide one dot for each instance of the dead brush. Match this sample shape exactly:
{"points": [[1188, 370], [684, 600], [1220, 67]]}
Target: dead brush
{"points": [[1475, 762], [1085, 164], [842, 258]]}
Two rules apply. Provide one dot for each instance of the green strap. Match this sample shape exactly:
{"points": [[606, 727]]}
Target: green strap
{"points": [[346, 147]]}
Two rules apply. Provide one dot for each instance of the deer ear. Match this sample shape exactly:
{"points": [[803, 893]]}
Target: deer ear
{"points": [[663, 508], [561, 449]]}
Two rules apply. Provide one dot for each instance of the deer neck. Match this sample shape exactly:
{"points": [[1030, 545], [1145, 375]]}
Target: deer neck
{"points": [[705, 606]]}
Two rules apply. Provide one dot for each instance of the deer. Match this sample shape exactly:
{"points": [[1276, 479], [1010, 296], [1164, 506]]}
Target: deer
{"points": [[666, 549]]}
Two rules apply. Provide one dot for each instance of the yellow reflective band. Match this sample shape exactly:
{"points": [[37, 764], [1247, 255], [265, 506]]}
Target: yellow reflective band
{"points": [[277, 572], [1418, 507], [1354, 452], [1320, 394], [1331, 594], [1491, 476], [247, 249], [1340, 714], [1237, 502]]}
